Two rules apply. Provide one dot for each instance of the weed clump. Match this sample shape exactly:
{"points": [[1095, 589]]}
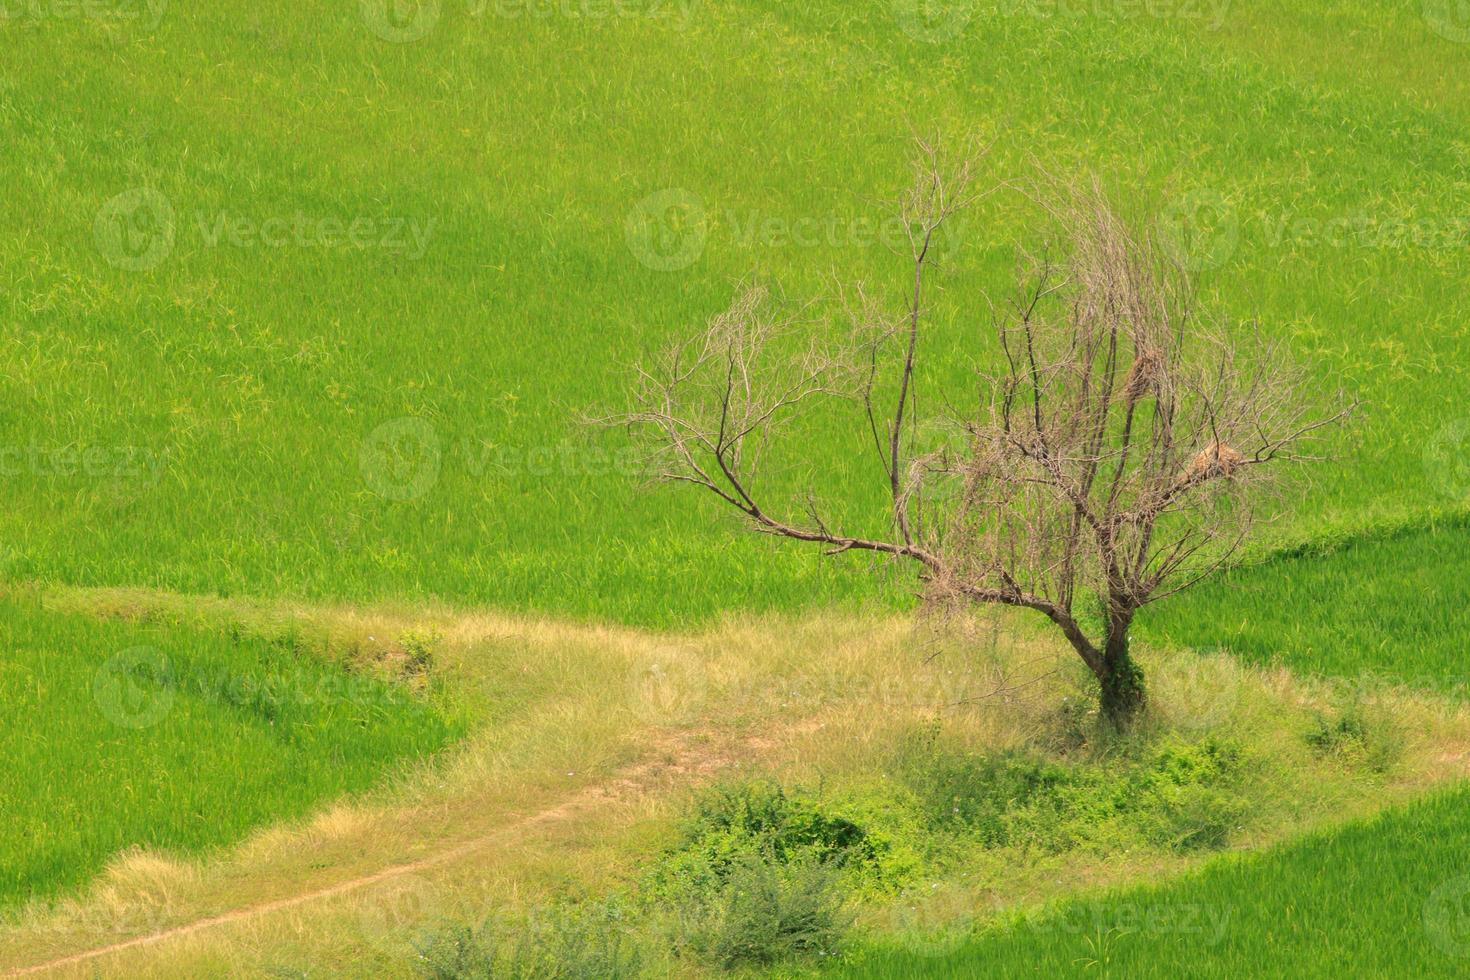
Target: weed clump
{"points": [[1355, 737], [418, 650], [731, 823], [765, 912], [564, 943], [1184, 797]]}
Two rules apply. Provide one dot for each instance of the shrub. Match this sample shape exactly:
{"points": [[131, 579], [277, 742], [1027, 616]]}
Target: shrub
{"points": [[1178, 796], [765, 912], [979, 793], [1192, 818], [789, 825], [760, 874], [731, 823], [1181, 797]]}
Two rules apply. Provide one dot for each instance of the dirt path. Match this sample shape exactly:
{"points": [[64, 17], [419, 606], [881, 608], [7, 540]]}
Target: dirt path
{"points": [[679, 759], [304, 898]]}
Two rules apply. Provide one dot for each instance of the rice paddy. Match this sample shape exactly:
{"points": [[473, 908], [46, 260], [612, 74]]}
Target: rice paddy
{"points": [[1385, 609], [378, 256], [1381, 897], [122, 736]]}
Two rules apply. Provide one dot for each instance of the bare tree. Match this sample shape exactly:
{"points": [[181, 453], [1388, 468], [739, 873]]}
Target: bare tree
{"points": [[1121, 452]]}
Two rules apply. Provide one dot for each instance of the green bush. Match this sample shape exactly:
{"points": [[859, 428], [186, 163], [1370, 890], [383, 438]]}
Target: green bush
{"points": [[979, 793], [759, 874], [1192, 818], [789, 825], [731, 823], [1177, 796], [1181, 796]]}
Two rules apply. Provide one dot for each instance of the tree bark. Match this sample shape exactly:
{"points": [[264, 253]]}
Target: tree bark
{"points": [[1121, 690], [1122, 687]]}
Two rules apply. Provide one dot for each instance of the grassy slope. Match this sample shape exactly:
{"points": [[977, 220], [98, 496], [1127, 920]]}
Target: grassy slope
{"points": [[173, 739], [258, 371], [1372, 609], [1383, 897]]}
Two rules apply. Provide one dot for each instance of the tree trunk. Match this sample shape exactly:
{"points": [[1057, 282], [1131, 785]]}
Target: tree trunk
{"points": [[1123, 695]]}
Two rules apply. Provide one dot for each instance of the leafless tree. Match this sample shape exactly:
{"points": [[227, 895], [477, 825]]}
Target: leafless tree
{"points": [[1122, 450]]}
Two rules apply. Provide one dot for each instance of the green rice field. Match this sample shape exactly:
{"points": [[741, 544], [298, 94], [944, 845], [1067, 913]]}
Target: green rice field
{"points": [[213, 387], [123, 735], [1379, 898], [1393, 608]]}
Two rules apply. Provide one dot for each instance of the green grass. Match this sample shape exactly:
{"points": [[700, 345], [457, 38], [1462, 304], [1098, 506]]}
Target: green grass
{"points": [[120, 735], [1394, 608], [1384, 897], [228, 394]]}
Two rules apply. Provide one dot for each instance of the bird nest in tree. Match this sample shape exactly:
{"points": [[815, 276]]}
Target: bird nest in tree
{"points": [[1144, 375], [1214, 461]]}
